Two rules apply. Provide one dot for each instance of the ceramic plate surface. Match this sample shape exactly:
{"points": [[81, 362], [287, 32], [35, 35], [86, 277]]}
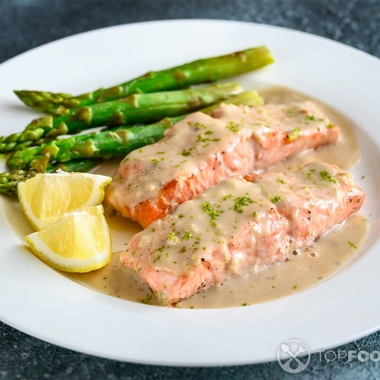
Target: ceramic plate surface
{"points": [[41, 302]]}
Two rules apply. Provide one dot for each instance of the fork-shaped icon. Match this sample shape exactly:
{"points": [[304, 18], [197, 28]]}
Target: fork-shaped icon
{"points": [[302, 348], [301, 366]]}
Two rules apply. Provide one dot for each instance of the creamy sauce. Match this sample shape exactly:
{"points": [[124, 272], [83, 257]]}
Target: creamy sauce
{"points": [[345, 152], [301, 271], [330, 255]]}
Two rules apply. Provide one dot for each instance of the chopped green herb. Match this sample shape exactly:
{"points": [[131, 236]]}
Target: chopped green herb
{"points": [[214, 214], [254, 214], [147, 300], [201, 138], [244, 304], [327, 176], [178, 165], [330, 125], [233, 127], [199, 125], [186, 153], [181, 216], [275, 198], [171, 236], [313, 118], [241, 203], [187, 235], [295, 287], [295, 134], [352, 245], [310, 173], [155, 161], [280, 180]]}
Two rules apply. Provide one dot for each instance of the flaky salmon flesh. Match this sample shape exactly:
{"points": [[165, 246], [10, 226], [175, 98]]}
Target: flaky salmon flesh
{"points": [[202, 150], [239, 227]]}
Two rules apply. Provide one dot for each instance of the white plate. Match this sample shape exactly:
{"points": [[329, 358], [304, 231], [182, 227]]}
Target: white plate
{"points": [[43, 303]]}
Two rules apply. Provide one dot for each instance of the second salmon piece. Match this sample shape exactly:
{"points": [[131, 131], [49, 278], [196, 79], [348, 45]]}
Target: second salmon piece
{"points": [[239, 227], [201, 150]]}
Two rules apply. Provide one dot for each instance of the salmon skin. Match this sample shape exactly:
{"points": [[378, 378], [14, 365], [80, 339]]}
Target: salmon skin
{"points": [[239, 227], [202, 150]]}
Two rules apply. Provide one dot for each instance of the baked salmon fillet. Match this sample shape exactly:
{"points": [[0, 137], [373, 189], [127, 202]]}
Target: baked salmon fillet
{"points": [[202, 150], [239, 227]]}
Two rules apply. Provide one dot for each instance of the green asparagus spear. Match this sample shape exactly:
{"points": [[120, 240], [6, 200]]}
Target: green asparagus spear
{"points": [[10, 180], [196, 72], [106, 144], [136, 108]]}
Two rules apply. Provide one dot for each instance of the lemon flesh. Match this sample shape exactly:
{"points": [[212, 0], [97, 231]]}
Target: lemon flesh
{"points": [[46, 197], [76, 242]]}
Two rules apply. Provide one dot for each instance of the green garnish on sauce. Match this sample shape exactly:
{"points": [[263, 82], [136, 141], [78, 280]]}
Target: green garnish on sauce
{"points": [[187, 235], [295, 134], [276, 198], [214, 214], [241, 203], [352, 245], [171, 236], [327, 176], [186, 153], [233, 127]]}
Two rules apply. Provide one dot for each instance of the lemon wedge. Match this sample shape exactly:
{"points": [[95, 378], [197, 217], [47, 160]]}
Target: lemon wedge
{"points": [[46, 197], [78, 241]]}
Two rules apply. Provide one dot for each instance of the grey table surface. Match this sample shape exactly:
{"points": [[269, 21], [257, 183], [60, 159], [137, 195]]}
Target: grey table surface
{"points": [[25, 24]]}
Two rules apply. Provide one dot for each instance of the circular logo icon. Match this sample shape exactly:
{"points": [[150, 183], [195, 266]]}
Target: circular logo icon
{"points": [[287, 356]]}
